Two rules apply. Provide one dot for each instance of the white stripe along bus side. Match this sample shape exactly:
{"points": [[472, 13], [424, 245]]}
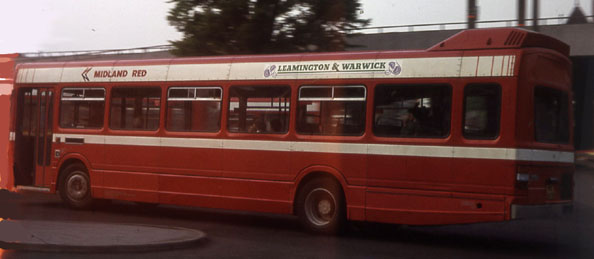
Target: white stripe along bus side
{"points": [[516, 154]]}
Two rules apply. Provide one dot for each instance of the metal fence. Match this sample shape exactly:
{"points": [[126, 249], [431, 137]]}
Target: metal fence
{"points": [[49, 54], [463, 25], [366, 30]]}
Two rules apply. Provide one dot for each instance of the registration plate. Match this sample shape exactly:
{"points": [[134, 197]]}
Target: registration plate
{"points": [[550, 191]]}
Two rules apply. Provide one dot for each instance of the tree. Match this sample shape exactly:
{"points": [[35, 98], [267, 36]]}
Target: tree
{"points": [[219, 27]]}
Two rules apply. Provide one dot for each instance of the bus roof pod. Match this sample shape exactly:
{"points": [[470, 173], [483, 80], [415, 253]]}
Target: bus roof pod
{"points": [[500, 38]]}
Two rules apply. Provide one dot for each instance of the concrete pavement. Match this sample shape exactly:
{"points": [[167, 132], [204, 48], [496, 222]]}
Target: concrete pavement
{"points": [[93, 237]]}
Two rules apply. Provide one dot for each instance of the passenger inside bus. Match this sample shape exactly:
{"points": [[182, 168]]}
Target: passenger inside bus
{"points": [[411, 124], [137, 122], [258, 126]]}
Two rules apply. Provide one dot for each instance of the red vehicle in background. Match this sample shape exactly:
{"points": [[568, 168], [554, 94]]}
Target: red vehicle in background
{"points": [[6, 83], [477, 128]]}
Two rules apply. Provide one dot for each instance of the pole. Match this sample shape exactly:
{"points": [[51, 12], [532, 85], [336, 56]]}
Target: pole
{"points": [[472, 14], [535, 15], [521, 13]]}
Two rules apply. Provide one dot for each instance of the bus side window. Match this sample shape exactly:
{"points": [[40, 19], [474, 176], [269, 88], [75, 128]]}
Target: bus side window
{"points": [[135, 108], [482, 109], [82, 108], [194, 109], [259, 109], [331, 110], [405, 111]]}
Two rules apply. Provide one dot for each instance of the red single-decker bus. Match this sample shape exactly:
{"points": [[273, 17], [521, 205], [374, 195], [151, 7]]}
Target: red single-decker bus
{"points": [[477, 128]]}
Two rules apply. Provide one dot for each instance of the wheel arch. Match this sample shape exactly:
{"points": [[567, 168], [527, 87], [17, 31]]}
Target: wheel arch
{"points": [[68, 160]]}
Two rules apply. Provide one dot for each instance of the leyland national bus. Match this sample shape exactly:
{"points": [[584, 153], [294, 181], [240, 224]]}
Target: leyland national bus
{"points": [[477, 128]]}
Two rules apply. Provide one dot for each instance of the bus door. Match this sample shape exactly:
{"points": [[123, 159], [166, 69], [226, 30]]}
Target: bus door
{"points": [[33, 136]]}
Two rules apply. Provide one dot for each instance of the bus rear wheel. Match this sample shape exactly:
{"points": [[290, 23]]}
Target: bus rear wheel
{"points": [[320, 206], [75, 186]]}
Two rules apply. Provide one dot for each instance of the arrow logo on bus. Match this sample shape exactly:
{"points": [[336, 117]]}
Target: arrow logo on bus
{"points": [[85, 74]]}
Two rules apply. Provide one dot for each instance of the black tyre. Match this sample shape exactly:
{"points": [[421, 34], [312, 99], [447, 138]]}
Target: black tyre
{"points": [[75, 186], [321, 206]]}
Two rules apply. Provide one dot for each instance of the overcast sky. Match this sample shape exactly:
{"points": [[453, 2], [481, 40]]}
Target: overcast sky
{"points": [[56, 25]]}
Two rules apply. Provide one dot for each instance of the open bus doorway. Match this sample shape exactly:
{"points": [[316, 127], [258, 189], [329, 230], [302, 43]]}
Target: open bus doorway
{"points": [[33, 136]]}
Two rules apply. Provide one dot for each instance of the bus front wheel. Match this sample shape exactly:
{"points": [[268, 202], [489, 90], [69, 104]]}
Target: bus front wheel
{"points": [[321, 206], [75, 186]]}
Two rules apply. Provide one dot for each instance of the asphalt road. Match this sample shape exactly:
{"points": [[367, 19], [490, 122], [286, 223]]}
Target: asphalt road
{"points": [[250, 235]]}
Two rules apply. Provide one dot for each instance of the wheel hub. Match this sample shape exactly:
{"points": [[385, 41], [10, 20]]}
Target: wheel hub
{"points": [[77, 187], [320, 206], [324, 207]]}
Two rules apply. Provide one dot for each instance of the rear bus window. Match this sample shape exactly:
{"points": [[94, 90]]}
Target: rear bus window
{"points": [[135, 108], [551, 115], [259, 109], [331, 110], [407, 111], [82, 108], [482, 106], [194, 109]]}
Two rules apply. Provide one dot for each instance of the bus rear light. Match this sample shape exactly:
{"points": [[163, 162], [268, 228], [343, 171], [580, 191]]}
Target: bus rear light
{"points": [[526, 174], [523, 178], [552, 180], [522, 181], [520, 177]]}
